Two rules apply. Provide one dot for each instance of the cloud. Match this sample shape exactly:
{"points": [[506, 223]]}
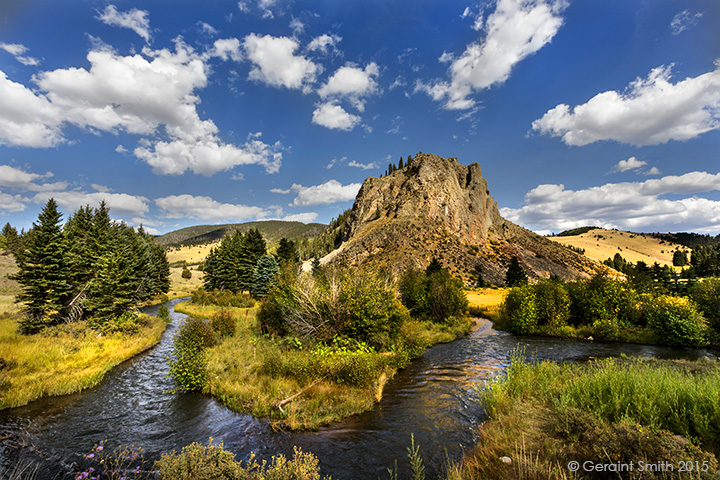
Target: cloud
{"points": [[364, 166], [333, 116], [144, 94], [684, 20], [275, 62], [206, 209], [297, 26], [281, 191], [631, 163], [637, 206], [352, 83], [207, 29], [653, 171], [27, 119], [12, 177], [120, 204], [651, 111], [307, 217], [515, 30], [18, 51], [324, 44], [136, 20], [331, 191], [11, 203]]}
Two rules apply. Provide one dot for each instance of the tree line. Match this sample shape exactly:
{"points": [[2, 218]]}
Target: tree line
{"points": [[89, 268]]}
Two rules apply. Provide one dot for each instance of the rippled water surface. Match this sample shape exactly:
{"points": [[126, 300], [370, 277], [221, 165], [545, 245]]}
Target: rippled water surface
{"points": [[434, 399]]}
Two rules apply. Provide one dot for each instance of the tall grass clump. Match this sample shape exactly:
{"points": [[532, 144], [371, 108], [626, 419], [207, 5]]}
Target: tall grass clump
{"points": [[223, 323], [213, 462], [188, 368], [223, 298]]}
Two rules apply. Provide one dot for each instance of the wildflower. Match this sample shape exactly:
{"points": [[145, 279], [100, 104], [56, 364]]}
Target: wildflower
{"points": [[99, 448], [92, 455]]}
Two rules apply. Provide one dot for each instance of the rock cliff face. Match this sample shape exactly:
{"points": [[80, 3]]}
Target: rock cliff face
{"points": [[436, 207]]}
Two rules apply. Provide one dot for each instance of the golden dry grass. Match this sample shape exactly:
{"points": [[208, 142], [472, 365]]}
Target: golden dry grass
{"points": [[193, 256], [486, 302], [633, 247], [63, 360]]}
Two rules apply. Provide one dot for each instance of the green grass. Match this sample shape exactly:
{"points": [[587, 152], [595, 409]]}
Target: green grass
{"points": [[251, 372], [63, 359], [616, 410]]}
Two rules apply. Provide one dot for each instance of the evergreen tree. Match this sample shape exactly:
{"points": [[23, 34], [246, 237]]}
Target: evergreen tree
{"points": [[253, 247], [13, 242], [680, 258], [515, 273], [287, 253], [43, 272], [315, 266], [400, 164], [263, 275], [434, 266], [478, 276]]}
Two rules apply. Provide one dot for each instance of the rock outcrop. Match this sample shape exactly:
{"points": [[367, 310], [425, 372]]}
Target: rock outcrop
{"points": [[437, 207]]}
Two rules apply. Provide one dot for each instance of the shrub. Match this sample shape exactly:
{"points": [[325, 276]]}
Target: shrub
{"points": [[186, 274], [706, 296], [223, 323], [129, 323], [189, 367], [553, 303], [520, 309], [675, 320], [436, 296], [363, 307], [197, 462]]}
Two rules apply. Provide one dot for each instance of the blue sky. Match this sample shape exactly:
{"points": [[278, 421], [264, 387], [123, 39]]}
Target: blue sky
{"points": [[601, 112]]}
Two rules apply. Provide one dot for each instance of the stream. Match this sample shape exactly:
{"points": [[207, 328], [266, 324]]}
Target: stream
{"points": [[433, 398]]}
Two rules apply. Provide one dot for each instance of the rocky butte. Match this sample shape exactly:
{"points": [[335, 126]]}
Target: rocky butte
{"points": [[437, 207]]}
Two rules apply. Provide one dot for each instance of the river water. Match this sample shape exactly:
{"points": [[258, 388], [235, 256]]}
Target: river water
{"points": [[434, 399]]}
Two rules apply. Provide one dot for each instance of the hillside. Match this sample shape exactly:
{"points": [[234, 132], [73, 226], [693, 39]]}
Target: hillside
{"points": [[600, 244], [272, 230], [437, 207]]}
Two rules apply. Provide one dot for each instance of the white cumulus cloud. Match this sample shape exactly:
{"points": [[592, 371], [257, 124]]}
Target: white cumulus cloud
{"points": [[352, 83], [515, 30], [206, 209], [275, 62], [637, 206], [120, 204], [651, 111], [324, 43], [147, 94], [331, 191], [13, 177], [631, 163], [136, 20], [333, 116]]}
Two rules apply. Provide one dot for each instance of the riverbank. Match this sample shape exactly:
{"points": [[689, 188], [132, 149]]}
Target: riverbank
{"points": [[302, 387], [64, 359], [543, 417]]}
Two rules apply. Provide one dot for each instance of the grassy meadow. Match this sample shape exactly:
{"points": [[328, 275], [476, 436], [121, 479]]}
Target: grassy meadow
{"points": [[486, 302], [63, 359], [193, 256], [542, 416], [601, 244], [255, 373]]}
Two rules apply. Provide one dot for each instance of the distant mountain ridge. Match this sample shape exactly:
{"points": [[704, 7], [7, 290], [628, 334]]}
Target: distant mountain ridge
{"points": [[272, 230], [437, 207]]}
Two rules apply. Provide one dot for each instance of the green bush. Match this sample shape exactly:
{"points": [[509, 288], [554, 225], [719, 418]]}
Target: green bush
{"points": [[675, 320], [223, 323], [601, 298], [189, 366], [519, 309], [129, 323], [553, 303], [363, 307], [436, 296], [706, 295], [186, 273], [197, 462]]}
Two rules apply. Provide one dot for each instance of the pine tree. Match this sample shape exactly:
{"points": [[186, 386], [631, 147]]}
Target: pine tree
{"points": [[434, 266], [263, 275], [315, 266], [400, 164], [515, 273], [43, 272], [287, 253], [13, 242], [253, 247]]}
